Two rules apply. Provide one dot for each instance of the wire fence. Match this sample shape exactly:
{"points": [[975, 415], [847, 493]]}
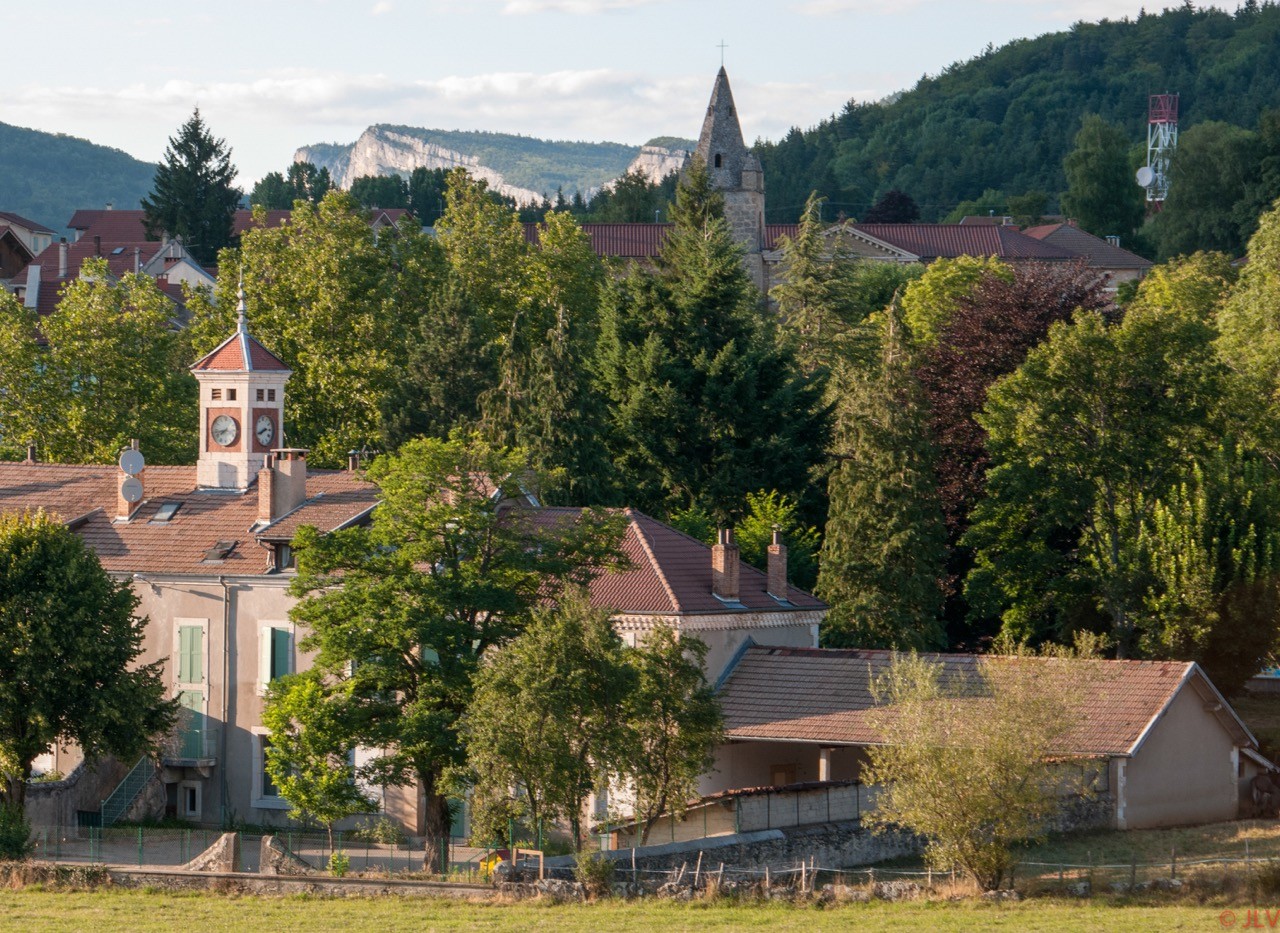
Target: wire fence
{"points": [[144, 846]]}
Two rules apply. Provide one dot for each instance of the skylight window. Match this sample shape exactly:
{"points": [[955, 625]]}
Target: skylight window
{"points": [[117, 251], [219, 552], [165, 513]]}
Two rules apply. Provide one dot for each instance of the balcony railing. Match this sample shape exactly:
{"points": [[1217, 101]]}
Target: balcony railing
{"points": [[192, 746]]}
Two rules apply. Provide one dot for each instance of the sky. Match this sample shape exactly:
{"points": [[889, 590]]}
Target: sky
{"points": [[272, 75]]}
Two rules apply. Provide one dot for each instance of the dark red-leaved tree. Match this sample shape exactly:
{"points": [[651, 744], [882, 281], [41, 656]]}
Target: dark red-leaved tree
{"points": [[988, 336], [896, 207]]}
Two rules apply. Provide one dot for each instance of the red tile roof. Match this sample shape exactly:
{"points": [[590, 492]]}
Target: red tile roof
{"points": [[119, 254], [947, 241], [1096, 251], [670, 574], [643, 240], [240, 353], [128, 225], [176, 546], [824, 695]]}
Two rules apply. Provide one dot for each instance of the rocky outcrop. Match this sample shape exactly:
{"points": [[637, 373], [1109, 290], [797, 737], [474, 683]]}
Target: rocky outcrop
{"points": [[381, 150], [657, 162]]}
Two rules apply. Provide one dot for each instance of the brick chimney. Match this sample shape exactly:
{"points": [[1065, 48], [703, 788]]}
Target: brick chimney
{"points": [[777, 566], [724, 566], [266, 491]]}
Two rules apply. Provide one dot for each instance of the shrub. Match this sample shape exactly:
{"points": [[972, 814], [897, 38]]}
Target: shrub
{"points": [[595, 873], [339, 864], [15, 832]]}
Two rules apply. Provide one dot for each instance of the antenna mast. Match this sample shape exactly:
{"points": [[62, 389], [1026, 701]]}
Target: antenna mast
{"points": [[1162, 140]]}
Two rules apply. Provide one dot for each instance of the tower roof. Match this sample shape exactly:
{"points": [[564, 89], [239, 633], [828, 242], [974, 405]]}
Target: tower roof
{"points": [[722, 136], [240, 353]]}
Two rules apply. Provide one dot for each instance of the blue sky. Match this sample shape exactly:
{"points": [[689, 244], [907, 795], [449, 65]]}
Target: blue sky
{"points": [[272, 75]]}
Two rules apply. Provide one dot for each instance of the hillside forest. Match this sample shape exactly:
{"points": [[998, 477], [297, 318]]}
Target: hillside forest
{"points": [[954, 454]]}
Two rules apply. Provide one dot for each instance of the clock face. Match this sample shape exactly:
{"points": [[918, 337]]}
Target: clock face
{"points": [[264, 429], [224, 430]]}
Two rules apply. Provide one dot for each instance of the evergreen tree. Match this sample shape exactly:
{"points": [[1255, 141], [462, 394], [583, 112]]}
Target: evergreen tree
{"points": [[883, 557], [1101, 194], [896, 207], [381, 191], [705, 400], [193, 198]]}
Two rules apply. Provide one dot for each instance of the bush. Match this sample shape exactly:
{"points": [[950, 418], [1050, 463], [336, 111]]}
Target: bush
{"points": [[15, 832], [339, 864], [383, 830], [595, 873]]}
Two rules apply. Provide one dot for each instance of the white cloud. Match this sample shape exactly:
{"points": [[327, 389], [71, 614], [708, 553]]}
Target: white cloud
{"points": [[381, 8]]}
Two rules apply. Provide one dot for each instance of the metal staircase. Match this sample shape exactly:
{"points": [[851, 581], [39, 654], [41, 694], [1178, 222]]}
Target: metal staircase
{"points": [[127, 791]]}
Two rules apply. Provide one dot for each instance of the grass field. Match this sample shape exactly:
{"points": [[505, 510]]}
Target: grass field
{"points": [[142, 911]]}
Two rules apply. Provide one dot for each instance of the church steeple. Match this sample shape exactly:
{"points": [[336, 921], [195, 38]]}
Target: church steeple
{"points": [[720, 144]]}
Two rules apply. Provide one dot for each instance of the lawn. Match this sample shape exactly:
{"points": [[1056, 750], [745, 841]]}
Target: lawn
{"points": [[142, 911]]}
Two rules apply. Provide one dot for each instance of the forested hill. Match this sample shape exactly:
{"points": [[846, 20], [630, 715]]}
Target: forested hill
{"points": [[1005, 119], [47, 177]]}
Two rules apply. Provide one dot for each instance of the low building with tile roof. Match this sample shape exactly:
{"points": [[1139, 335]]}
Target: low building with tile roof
{"points": [[1169, 750], [1105, 255]]}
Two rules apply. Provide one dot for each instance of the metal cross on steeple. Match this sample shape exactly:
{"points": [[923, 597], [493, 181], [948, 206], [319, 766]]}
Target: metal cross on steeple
{"points": [[722, 47]]}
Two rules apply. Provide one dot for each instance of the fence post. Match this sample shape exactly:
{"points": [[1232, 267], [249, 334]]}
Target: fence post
{"points": [[1133, 872], [1248, 865], [139, 846], [1173, 864]]}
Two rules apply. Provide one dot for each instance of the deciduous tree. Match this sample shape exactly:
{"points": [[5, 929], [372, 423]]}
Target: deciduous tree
{"points": [[309, 758], [1101, 194], [69, 646], [442, 575]]}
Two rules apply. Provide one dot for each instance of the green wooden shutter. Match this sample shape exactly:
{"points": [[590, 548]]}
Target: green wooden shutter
{"points": [[190, 651], [281, 652]]}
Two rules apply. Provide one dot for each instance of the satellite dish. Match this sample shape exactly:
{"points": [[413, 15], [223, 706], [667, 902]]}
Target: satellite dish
{"points": [[131, 461], [1146, 176], [131, 490]]}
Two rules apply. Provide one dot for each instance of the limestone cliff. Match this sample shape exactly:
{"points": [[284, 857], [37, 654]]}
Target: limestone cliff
{"points": [[657, 162], [381, 150]]}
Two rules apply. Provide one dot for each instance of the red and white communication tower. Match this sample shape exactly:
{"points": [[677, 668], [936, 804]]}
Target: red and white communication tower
{"points": [[1162, 140]]}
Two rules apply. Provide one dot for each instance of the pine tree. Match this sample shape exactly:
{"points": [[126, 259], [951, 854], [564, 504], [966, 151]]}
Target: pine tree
{"points": [[883, 559], [705, 399], [193, 197]]}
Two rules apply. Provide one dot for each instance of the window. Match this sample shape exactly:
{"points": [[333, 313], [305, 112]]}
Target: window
{"points": [[284, 557], [190, 654], [231, 395], [165, 513], [215, 394], [275, 654], [717, 160], [263, 793], [262, 394], [189, 800], [271, 395]]}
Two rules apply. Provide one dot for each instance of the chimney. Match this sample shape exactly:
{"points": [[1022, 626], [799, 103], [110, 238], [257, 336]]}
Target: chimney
{"points": [[266, 491], [62, 258], [137, 259], [97, 245], [353, 461], [125, 508], [31, 454], [111, 205], [31, 295], [777, 566], [724, 566], [290, 482]]}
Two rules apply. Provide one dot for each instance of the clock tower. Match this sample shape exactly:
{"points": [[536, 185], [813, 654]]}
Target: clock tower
{"points": [[241, 408]]}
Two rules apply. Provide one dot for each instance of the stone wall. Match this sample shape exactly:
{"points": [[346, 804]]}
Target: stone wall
{"points": [[831, 846], [55, 803]]}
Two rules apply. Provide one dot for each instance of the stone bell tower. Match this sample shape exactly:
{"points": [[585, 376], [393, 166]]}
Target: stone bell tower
{"points": [[736, 173], [241, 408]]}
